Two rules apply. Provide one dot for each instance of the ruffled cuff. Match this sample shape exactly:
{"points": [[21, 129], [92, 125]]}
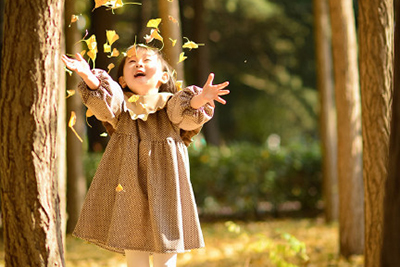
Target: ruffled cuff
{"points": [[181, 112]]}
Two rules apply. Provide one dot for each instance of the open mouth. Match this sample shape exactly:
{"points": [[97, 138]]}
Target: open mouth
{"points": [[139, 74]]}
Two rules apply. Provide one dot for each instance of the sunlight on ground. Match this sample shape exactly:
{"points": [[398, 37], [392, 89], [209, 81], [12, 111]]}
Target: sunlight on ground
{"points": [[245, 246]]}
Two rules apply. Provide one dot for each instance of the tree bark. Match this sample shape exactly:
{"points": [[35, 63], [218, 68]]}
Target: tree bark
{"points": [[202, 67], [390, 248], [76, 180], [173, 31], [28, 133], [347, 96], [327, 118], [376, 74]]}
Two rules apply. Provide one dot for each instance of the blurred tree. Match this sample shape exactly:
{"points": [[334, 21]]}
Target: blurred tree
{"points": [[390, 255], [351, 197], [327, 108], [76, 180], [31, 70], [171, 30], [202, 66], [376, 75], [102, 19]]}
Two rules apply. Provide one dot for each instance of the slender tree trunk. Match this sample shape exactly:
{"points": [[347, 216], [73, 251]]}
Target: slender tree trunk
{"points": [[171, 30], [376, 74], [202, 67], [327, 108], [28, 133], [390, 248], [76, 180], [351, 198]]}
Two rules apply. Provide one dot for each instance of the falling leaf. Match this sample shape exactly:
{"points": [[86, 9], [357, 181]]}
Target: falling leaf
{"points": [[174, 20], [74, 18], [105, 134], [156, 35], [190, 44], [70, 93], [112, 36], [89, 113], [112, 4], [153, 23], [83, 53], [70, 72], [107, 48], [71, 124], [133, 99], [131, 52], [110, 67], [119, 188], [148, 38], [173, 41], [178, 85], [182, 57], [114, 53]]}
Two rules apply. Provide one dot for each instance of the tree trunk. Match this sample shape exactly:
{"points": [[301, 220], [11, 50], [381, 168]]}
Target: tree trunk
{"points": [[76, 180], [173, 31], [28, 133], [390, 255], [202, 67], [376, 74], [327, 117], [351, 198]]}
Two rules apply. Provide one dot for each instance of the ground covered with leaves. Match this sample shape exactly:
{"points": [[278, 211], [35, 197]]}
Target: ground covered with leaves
{"points": [[283, 242]]}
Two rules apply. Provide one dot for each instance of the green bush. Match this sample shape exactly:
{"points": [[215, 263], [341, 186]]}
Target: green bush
{"points": [[243, 175]]}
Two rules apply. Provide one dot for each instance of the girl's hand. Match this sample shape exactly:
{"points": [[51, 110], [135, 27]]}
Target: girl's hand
{"points": [[82, 68], [210, 93]]}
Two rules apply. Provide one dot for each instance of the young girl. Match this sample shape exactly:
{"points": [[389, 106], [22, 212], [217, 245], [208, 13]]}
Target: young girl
{"points": [[141, 200]]}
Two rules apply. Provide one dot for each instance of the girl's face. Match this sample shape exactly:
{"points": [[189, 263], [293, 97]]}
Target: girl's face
{"points": [[143, 73]]}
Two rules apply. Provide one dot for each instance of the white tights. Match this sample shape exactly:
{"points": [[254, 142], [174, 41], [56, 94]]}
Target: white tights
{"points": [[141, 259]]}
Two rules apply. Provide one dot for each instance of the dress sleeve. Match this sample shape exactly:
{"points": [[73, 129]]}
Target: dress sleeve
{"points": [[182, 114], [106, 103]]}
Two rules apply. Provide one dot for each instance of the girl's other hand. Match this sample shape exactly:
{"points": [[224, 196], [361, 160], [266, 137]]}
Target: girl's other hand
{"points": [[211, 92], [78, 65], [82, 68]]}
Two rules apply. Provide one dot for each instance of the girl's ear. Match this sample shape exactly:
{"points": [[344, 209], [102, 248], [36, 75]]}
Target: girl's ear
{"points": [[164, 78], [121, 81]]}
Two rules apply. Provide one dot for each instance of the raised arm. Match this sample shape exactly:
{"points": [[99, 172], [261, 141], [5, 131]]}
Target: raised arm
{"points": [[210, 93], [82, 68]]}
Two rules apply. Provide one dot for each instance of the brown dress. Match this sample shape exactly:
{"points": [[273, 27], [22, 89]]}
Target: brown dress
{"points": [[141, 197]]}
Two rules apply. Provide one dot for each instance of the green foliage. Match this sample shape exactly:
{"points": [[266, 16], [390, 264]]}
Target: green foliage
{"points": [[284, 251], [242, 176]]}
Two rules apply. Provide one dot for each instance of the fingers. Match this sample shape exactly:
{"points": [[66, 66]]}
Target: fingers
{"points": [[210, 79], [223, 92]]}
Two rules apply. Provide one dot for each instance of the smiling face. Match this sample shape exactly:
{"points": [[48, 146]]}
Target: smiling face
{"points": [[143, 73]]}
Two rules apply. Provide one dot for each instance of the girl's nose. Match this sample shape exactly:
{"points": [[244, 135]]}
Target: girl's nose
{"points": [[139, 63]]}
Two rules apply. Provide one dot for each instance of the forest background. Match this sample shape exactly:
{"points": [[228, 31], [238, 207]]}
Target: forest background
{"points": [[265, 153]]}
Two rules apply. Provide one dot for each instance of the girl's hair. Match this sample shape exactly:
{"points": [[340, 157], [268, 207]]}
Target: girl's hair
{"points": [[170, 85]]}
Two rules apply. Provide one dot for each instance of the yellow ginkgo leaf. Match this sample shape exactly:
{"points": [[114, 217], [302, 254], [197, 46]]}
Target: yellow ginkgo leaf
{"points": [[70, 93], [173, 41], [83, 53], [178, 85], [190, 44], [99, 3], [107, 48], [119, 188], [92, 54], [112, 36], [133, 98], [131, 52], [89, 113], [105, 134], [182, 57], [71, 124], [114, 53], [91, 42], [74, 18], [156, 35], [153, 23], [171, 18], [110, 67]]}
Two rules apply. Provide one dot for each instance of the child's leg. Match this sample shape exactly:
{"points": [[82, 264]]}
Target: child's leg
{"points": [[137, 258], [164, 260]]}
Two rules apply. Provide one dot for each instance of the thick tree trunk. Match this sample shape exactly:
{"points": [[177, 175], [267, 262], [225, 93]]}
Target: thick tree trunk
{"points": [[202, 67], [28, 133], [327, 108], [173, 31], [390, 255], [76, 180], [376, 74], [351, 197]]}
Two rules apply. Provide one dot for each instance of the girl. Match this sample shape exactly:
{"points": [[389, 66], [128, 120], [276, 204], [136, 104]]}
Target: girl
{"points": [[141, 200]]}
